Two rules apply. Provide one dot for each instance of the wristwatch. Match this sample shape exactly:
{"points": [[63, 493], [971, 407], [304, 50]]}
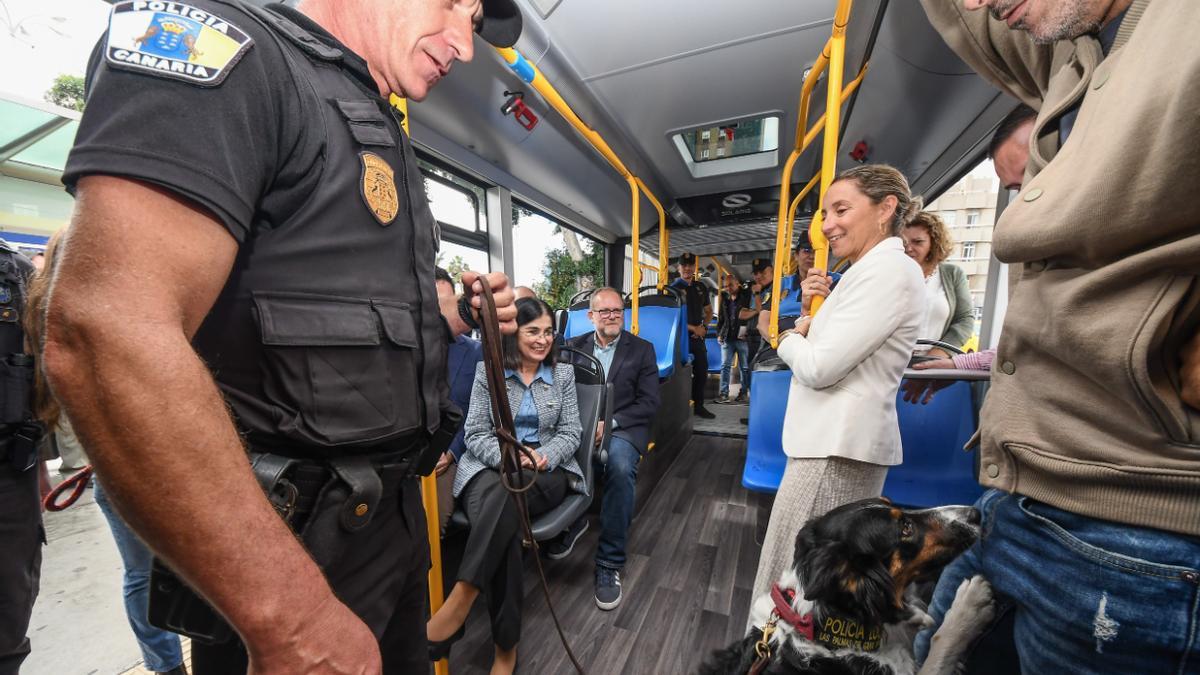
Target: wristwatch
{"points": [[464, 313]]}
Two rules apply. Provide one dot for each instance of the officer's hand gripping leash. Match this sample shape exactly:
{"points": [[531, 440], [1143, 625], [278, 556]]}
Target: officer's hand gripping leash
{"points": [[511, 450]]}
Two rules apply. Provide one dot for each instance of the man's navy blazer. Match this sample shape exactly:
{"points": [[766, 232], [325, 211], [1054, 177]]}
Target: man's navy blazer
{"points": [[461, 358], [634, 375]]}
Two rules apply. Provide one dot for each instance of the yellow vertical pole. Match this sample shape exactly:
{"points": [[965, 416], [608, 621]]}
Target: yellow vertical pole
{"points": [[429, 496], [636, 277], [833, 118], [662, 233]]}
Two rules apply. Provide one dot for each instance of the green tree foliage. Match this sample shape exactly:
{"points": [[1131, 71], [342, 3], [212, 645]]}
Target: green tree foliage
{"points": [[566, 276], [455, 266], [67, 91]]}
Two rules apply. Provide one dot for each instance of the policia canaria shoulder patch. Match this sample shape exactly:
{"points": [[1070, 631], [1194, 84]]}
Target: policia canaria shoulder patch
{"points": [[174, 40]]}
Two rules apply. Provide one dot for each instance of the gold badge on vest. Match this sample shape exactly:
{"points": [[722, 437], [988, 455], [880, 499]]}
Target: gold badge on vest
{"points": [[379, 188]]}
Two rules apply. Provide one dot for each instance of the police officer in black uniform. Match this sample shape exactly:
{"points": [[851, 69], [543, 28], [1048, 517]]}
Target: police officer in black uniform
{"points": [[21, 535], [699, 314], [272, 300]]}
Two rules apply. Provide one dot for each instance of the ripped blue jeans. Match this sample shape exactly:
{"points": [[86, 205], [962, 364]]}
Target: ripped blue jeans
{"points": [[1080, 595]]}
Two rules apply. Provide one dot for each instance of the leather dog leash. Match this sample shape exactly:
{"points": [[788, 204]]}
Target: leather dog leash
{"points": [[511, 449]]}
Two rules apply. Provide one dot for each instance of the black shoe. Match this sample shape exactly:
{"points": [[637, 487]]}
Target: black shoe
{"points": [[441, 650], [703, 414], [564, 543], [177, 670], [608, 588]]}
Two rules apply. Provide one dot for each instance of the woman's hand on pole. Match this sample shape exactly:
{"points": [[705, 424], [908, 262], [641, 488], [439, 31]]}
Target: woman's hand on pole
{"points": [[818, 283]]}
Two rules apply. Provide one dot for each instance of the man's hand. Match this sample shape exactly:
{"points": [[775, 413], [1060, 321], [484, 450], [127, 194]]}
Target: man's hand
{"points": [[817, 284], [443, 463], [1189, 372], [599, 431], [333, 642], [697, 331], [502, 293]]}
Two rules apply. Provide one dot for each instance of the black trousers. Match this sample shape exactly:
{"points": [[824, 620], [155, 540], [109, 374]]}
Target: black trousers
{"points": [[699, 369], [21, 541], [492, 560], [381, 577]]}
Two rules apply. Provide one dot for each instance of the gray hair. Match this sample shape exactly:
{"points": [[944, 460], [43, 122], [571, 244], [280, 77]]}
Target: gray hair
{"points": [[605, 289]]}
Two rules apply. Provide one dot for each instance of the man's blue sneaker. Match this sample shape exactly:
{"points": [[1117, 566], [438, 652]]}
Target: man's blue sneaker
{"points": [[608, 588], [562, 545]]}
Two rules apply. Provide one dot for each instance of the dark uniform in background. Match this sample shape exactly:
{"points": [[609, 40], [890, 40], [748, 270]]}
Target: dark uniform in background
{"points": [[696, 297], [760, 301], [327, 340], [21, 535]]}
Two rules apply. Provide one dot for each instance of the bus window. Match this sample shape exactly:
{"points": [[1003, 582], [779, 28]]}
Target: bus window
{"points": [[969, 210], [552, 259]]}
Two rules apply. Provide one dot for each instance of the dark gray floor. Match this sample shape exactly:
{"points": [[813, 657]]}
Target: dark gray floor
{"points": [[693, 552]]}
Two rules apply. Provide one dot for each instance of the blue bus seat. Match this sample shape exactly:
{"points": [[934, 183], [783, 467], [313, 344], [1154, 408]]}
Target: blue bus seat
{"points": [[765, 460], [714, 354], [936, 470], [659, 325], [577, 321]]}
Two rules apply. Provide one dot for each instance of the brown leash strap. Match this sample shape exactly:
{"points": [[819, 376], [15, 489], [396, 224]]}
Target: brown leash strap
{"points": [[511, 449]]}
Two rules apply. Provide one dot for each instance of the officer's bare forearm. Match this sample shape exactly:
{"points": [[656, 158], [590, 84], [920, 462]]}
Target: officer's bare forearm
{"points": [[135, 276], [158, 433]]}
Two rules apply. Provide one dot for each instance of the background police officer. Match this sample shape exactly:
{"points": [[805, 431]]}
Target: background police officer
{"points": [[251, 237], [699, 314], [20, 508]]}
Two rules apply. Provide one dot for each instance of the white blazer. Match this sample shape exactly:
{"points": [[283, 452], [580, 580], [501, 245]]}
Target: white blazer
{"points": [[846, 373]]}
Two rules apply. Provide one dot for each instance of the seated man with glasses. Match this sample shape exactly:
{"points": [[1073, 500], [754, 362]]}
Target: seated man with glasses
{"points": [[630, 365]]}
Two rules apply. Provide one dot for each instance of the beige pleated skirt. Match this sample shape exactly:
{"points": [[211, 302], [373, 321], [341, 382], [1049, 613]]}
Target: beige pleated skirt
{"points": [[810, 488]]}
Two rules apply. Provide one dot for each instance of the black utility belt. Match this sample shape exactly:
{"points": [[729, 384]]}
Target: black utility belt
{"points": [[325, 502]]}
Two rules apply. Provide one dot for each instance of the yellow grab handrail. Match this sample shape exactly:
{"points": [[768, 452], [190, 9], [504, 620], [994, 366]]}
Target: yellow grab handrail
{"points": [[429, 496], [833, 119], [635, 276], [832, 57], [663, 237], [531, 75]]}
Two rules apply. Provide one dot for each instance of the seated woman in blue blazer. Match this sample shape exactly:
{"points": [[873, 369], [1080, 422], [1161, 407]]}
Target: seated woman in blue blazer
{"points": [[545, 412], [840, 431]]}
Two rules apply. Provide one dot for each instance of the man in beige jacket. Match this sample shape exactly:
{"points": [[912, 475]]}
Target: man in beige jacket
{"points": [[1092, 530]]}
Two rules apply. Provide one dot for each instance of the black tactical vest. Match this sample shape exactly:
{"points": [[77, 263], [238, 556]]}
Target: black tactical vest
{"points": [[327, 339], [18, 432]]}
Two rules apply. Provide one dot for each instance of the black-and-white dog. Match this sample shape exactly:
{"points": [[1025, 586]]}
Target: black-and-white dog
{"points": [[847, 605]]}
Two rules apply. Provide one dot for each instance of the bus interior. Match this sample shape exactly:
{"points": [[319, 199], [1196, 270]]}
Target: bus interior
{"points": [[698, 103]]}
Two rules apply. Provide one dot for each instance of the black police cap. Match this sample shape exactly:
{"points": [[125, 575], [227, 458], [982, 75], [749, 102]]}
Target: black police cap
{"points": [[687, 258], [761, 264], [501, 24], [802, 242]]}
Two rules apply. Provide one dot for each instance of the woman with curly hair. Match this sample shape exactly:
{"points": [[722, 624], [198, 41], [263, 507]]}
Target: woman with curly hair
{"points": [[949, 315]]}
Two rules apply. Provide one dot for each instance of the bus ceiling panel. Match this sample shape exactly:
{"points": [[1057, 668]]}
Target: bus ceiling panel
{"points": [[613, 36], [700, 64], [920, 105], [553, 164]]}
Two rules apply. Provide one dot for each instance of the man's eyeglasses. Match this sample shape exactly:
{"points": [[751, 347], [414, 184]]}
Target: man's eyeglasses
{"points": [[607, 313]]}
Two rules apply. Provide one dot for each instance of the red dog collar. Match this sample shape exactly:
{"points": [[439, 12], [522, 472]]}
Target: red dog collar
{"points": [[803, 624]]}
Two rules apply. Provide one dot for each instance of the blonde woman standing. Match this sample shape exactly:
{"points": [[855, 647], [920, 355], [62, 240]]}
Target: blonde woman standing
{"points": [[840, 430]]}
